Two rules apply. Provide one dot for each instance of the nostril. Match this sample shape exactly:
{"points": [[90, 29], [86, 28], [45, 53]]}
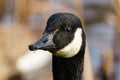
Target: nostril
{"points": [[45, 40], [32, 47]]}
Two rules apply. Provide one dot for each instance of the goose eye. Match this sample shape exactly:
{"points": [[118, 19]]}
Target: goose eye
{"points": [[68, 29]]}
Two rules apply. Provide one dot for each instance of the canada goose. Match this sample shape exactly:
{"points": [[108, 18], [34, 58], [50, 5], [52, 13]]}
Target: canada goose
{"points": [[65, 38]]}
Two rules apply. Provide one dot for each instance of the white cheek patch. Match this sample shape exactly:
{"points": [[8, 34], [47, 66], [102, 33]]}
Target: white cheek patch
{"points": [[72, 48]]}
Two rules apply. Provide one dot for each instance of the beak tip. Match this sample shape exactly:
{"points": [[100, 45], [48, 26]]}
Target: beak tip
{"points": [[31, 47]]}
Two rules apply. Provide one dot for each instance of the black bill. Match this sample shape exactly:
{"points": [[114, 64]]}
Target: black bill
{"points": [[45, 43]]}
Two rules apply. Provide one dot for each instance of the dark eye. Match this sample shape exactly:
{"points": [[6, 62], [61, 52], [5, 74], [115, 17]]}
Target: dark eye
{"points": [[68, 29]]}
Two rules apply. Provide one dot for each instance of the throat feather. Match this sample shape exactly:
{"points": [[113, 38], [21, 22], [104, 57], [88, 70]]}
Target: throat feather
{"points": [[72, 48]]}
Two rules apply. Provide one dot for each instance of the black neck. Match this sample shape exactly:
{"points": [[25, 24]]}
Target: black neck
{"points": [[68, 68]]}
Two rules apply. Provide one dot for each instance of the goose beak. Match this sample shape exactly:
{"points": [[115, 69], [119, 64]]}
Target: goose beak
{"points": [[45, 43]]}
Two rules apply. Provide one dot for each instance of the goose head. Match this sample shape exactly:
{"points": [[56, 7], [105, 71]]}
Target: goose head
{"points": [[63, 36]]}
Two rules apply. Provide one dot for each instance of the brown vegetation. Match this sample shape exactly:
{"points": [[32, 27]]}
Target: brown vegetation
{"points": [[14, 40]]}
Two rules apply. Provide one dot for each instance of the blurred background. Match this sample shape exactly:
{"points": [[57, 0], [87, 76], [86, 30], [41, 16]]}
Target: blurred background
{"points": [[23, 21]]}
